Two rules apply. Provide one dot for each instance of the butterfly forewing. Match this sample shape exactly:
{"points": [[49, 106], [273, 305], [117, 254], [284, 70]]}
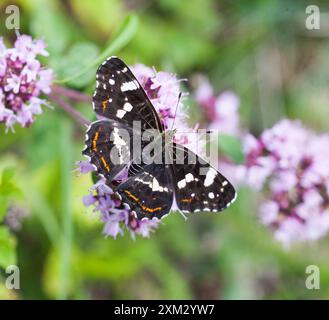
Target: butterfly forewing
{"points": [[109, 147], [199, 186], [119, 96]]}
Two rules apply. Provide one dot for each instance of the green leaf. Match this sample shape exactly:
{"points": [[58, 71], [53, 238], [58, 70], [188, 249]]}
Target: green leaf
{"points": [[7, 174], [122, 37], [231, 146], [80, 55], [7, 248], [4, 203], [7, 187]]}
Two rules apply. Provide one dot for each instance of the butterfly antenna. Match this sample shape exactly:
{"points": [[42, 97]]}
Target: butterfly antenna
{"points": [[179, 97], [182, 214]]}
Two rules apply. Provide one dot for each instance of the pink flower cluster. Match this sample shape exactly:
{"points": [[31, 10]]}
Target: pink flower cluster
{"points": [[22, 80], [291, 165], [163, 90], [221, 112]]}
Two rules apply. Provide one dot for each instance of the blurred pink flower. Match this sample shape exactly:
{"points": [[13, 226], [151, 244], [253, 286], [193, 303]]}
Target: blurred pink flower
{"points": [[22, 80], [222, 111], [291, 166]]}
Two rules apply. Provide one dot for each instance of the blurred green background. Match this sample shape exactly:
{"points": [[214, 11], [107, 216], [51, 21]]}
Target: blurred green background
{"points": [[261, 50]]}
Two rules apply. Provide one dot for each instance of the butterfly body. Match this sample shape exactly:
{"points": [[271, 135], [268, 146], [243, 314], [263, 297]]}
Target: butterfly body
{"points": [[163, 171]]}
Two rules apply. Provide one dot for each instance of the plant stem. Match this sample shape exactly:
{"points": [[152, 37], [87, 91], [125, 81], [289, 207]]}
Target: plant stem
{"points": [[71, 94], [76, 115]]}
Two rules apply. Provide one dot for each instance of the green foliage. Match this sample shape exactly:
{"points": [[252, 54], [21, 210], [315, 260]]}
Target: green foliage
{"points": [[7, 245], [83, 57], [79, 55], [49, 22], [8, 190]]}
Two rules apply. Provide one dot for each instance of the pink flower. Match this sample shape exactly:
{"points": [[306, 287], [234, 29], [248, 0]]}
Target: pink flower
{"points": [[285, 141], [291, 166], [22, 79], [221, 111], [226, 113], [269, 212], [45, 78], [284, 181], [13, 83]]}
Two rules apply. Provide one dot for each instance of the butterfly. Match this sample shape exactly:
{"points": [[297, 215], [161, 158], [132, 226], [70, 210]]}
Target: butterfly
{"points": [[150, 188]]}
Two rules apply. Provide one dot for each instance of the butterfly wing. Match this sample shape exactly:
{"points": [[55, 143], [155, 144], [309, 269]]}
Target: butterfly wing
{"points": [[149, 193], [199, 186], [119, 96], [120, 100], [108, 146]]}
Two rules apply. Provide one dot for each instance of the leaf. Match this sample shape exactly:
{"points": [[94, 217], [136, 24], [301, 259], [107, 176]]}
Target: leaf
{"points": [[122, 37], [80, 55], [7, 186], [7, 174], [8, 189], [231, 146], [7, 248], [4, 203]]}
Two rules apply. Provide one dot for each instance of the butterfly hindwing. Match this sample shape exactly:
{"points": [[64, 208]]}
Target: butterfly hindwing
{"points": [[199, 186], [149, 193], [119, 96]]}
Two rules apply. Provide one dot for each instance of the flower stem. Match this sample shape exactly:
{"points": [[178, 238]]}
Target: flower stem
{"points": [[71, 94], [76, 115]]}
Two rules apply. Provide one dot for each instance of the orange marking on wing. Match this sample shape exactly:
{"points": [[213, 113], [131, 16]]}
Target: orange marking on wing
{"points": [[104, 105], [145, 208], [105, 164], [95, 140], [188, 200], [131, 195]]}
